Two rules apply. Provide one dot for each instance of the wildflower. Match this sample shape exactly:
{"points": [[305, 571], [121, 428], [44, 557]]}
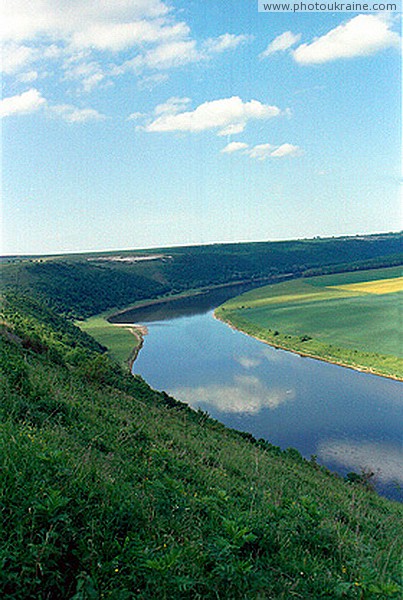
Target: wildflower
{"points": [[116, 570], [344, 570]]}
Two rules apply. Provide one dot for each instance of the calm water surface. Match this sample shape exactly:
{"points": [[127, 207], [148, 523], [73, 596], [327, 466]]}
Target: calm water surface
{"points": [[350, 420]]}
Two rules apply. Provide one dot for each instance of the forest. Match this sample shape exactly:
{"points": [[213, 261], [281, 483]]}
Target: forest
{"points": [[86, 284]]}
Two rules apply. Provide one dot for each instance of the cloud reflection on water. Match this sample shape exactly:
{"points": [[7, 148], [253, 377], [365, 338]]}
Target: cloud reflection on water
{"points": [[248, 362], [385, 460], [246, 395]]}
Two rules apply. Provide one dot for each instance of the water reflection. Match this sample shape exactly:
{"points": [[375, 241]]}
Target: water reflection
{"points": [[246, 395], [384, 460], [350, 420]]}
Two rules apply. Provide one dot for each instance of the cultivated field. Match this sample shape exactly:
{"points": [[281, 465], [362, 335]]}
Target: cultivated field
{"points": [[121, 342], [339, 317]]}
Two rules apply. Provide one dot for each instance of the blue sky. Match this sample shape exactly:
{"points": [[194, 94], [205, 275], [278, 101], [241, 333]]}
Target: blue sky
{"points": [[143, 123]]}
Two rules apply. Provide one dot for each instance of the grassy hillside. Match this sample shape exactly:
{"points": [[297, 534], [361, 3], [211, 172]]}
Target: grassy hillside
{"points": [[352, 318], [88, 284], [111, 490]]}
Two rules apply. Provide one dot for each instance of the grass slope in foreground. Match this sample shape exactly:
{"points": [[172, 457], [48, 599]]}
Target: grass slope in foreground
{"points": [[109, 489], [351, 319]]}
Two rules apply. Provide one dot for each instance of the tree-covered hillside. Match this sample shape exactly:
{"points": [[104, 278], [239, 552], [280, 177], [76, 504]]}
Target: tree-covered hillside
{"points": [[84, 285], [109, 489]]}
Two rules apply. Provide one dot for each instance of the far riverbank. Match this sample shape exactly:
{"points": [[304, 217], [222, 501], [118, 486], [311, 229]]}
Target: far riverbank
{"points": [[315, 349]]}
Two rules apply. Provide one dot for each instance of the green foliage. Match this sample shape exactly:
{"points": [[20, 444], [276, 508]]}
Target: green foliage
{"points": [[109, 489], [84, 285]]}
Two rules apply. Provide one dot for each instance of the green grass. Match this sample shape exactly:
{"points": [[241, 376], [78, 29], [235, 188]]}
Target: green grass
{"points": [[121, 342], [313, 317], [109, 489]]}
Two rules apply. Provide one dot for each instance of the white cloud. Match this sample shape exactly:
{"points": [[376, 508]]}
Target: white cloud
{"points": [[228, 115], [32, 100], [234, 147], [172, 106], [282, 42], [15, 57], [147, 30], [265, 151], [261, 151], [361, 36], [22, 20], [227, 41], [28, 77], [180, 51], [72, 114], [168, 55], [135, 115], [120, 36], [27, 102], [286, 150], [88, 73]]}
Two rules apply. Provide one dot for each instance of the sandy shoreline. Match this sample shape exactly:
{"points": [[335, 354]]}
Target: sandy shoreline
{"points": [[139, 331]]}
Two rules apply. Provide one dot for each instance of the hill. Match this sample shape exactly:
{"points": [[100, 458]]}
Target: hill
{"points": [[111, 490], [83, 285]]}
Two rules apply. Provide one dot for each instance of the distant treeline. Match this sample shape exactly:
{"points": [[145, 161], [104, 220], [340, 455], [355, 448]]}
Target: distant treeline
{"points": [[79, 287]]}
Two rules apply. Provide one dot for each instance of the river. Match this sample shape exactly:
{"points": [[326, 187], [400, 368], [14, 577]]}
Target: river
{"points": [[348, 420]]}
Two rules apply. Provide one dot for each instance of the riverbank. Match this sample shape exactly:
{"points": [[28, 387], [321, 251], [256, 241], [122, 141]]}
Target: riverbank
{"points": [[112, 315], [123, 341], [100, 469], [364, 362], [120, 344]]}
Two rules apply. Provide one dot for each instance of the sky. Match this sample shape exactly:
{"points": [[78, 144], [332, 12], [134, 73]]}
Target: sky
{"points": [[149, 123]]}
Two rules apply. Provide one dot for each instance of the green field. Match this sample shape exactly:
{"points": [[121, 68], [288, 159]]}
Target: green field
{"points": [[120, 341], [351, 318]]}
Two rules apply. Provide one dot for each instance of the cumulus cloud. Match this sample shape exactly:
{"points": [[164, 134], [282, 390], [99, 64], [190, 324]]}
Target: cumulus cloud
{"points": [[286, 150], [172, 106], [261, 151], [135, 115], [361, 36], [24, 20], [228, 115], [16, 57], [282, 42], [79, 68], [73, 114], [227, 41], [25, 103], [234, 147], [148, 31], [27, 77], [119, 36], [32, 100]]}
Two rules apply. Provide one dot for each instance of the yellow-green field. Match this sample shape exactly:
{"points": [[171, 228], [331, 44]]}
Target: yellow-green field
{"points": [[350, 318], [383, 286]]}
